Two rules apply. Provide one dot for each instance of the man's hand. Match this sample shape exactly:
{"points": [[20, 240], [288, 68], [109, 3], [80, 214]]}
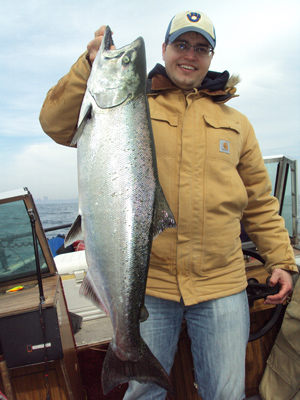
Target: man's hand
{"points": [[95, 44], [285, 281]]}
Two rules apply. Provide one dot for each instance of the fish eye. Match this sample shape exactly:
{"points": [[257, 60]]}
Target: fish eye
{"points": [[126, 59]]}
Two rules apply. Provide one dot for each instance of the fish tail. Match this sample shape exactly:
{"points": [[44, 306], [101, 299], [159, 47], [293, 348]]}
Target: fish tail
{"points": [[147, 369]]}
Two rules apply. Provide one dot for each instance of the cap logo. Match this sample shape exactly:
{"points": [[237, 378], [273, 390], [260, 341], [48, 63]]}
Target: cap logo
{"points": [[193, 16]]}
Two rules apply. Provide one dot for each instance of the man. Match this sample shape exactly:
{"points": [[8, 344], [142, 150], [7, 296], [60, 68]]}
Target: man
{"points": [[213, 175]]}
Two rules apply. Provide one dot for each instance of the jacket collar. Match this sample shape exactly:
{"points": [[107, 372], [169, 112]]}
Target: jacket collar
{"points": [[215, 84]]}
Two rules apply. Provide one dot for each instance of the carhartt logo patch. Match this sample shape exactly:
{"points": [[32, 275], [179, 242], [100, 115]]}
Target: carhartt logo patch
{"points": [[224, 146]]}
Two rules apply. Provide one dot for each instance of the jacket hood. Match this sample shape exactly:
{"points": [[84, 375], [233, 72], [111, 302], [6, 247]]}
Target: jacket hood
{"points": [[219, 85]]}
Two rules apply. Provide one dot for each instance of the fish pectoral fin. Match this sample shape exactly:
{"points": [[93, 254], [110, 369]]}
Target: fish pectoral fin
{"points": [[163, 217], [144, 314], [147, 369], [81, 126], [88, 290], [75, 232]]}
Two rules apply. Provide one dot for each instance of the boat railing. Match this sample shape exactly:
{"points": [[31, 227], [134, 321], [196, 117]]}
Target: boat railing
{"points": [[56, 228]]}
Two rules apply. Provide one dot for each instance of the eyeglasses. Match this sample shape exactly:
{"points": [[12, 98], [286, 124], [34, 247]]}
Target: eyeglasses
{"points": [[184, 47]]}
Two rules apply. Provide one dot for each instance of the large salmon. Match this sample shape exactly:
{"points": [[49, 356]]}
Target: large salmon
{"points": [[121, 205]]}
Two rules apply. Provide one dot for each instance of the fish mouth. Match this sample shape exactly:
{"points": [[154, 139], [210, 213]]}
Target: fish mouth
{"points": [[108, 40], [117, 73]]}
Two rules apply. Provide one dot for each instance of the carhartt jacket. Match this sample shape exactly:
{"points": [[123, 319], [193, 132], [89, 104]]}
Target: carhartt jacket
{"points": [[212, 173]]}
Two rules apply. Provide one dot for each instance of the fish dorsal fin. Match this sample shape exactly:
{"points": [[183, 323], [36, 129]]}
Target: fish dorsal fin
{"points": [[88, 290], [163, 217], [75, 232], [80, 128]]}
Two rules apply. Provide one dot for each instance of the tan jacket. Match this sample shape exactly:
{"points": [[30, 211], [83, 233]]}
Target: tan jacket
{"points": [[213, 175]]}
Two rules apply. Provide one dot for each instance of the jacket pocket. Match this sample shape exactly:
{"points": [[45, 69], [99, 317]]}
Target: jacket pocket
{"points": [[223, 139], [220, 123], [164, 126], [281, 377], [167, 146]]}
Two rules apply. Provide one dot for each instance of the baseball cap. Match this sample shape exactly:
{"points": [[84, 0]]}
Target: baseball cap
{"points": [[187, 21]]}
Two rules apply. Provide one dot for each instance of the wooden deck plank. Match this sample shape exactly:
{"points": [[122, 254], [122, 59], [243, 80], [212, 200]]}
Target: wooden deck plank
{"points": [[28, 299]]}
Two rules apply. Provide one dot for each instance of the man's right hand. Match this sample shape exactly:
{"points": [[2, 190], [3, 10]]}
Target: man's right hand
{"points": [[95, 44]]}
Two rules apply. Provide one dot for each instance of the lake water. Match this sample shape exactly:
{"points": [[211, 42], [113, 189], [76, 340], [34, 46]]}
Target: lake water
{"points": [[54, 214]]}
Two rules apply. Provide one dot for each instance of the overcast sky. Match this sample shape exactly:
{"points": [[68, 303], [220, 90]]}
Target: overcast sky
{"points": [[40, 40]]}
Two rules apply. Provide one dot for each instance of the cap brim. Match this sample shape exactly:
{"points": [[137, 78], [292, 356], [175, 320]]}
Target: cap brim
{"points": [[202, 32]]}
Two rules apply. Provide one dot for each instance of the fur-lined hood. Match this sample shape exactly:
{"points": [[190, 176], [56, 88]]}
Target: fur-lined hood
{"points": [[219, 85]]}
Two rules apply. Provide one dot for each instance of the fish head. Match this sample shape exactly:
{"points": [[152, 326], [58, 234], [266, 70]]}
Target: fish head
{"points": [[118, 75]]}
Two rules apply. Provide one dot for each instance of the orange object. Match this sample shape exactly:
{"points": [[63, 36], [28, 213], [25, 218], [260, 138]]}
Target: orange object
{"points": [[15, 289]]}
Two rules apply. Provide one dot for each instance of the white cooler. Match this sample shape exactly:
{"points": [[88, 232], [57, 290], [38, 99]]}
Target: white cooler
{"points": [[72, 268]]}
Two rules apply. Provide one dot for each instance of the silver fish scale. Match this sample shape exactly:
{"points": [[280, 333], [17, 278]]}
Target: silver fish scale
{"points": [[117, 186]]}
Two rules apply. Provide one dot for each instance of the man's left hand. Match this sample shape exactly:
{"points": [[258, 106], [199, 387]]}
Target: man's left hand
{"points": [[285, 281]]}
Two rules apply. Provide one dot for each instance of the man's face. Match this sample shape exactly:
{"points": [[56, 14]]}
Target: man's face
{"points": [[186, 69]]}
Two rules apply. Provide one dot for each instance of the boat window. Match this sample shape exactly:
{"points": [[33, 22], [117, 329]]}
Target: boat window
{"points": [[287, 205], [283, 174], [272, 170], [17, 255]]}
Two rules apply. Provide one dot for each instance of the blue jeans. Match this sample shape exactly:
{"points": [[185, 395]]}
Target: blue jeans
{"points": [[219, 331]]}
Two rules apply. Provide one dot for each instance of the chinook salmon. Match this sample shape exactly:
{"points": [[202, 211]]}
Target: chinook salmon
{"points": [[122, 207]]}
